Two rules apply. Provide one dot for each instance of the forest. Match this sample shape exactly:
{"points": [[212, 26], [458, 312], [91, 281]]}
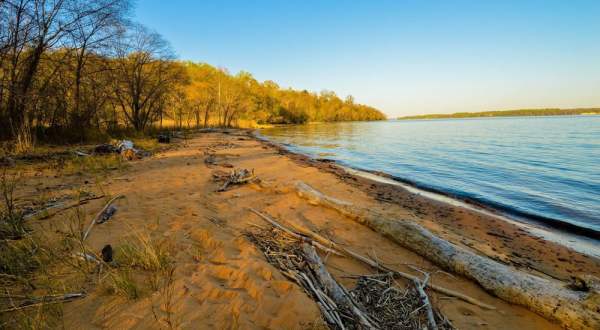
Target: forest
{"points": [[512, 113], [76, 70]]}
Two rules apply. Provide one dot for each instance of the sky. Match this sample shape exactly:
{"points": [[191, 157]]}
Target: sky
{"points": [[404, 57]]}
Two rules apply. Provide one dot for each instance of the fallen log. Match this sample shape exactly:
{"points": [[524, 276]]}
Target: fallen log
{"points": [[549, 298], [333, 247]]}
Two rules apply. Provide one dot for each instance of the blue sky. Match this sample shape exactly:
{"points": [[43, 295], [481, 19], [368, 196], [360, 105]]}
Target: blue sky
{"points": [[404, 57]]}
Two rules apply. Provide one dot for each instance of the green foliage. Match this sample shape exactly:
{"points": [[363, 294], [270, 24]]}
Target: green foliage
{"points": [[512, 113]]}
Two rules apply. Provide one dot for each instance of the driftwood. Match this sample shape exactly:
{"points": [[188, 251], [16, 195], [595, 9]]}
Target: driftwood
{"points": [[55, 209], [291, 233], [376, 300], [238, 176], [394, 307], [549, 298], [40, 301], [334, 247], [334, 290], [431, 324], [100, 215]]}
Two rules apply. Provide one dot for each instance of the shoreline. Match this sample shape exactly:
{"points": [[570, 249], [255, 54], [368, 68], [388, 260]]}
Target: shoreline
{"points": [[222, 281], [581, 243], [550, 227]]}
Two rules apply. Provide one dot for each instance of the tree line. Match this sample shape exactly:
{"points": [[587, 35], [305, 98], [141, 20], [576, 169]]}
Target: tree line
{"points": [[73, 68], [512, 113]]}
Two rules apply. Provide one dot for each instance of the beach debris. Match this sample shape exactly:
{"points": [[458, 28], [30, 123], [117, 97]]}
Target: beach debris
{"points": [[547, 297], [107, 253], [81, 153], [164, 138], [23, 302], [210, 159], [377, 302], [389, 304], [237, 176], [87, 257], [56, 206], [124, 147], [107, 214], [105, 148], [95, 219], [330, 246]]}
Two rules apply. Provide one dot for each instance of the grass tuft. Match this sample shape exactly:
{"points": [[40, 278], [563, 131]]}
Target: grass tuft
{"points": [[12, 223], [144, 253]]}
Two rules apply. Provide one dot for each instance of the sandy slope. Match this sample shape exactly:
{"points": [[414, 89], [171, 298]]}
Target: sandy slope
{"points": [[223, 281]]}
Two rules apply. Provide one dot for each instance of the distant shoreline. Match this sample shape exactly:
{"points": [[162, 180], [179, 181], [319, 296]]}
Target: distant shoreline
{"points": [[511, 113]]}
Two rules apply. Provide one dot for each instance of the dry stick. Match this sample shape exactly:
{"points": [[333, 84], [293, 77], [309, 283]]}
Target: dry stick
{"points": [[325, 302], [44, 301], [431, 324], [338, 295], [87, 232], [293, 234], [376, 265], [78, 203]]}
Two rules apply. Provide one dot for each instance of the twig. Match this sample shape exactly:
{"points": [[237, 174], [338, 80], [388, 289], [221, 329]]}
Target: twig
{"points": [[46, 300], [87, 232], [385, 269], [431, 324], [78, 203], [338, 295], [293, 234]]}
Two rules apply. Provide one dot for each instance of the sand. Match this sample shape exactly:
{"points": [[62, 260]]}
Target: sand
{"points": [[222, 281]]}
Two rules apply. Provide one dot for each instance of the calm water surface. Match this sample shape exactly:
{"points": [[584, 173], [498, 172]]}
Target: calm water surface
{"points": [[546, 167]]}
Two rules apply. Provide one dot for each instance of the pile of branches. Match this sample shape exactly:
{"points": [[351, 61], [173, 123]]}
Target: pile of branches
{"points": [[377, 302], [392, 307], [237, 176]]}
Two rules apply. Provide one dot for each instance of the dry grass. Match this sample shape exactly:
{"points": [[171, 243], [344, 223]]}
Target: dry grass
{"points": [[24, 142], [144, 253], [94, 165], [12, 223]]}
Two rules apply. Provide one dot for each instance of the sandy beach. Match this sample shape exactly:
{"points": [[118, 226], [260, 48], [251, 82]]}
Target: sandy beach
{"points": [[221, 280]]}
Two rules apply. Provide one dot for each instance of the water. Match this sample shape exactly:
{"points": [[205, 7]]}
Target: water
{"points": [[544, 168]]}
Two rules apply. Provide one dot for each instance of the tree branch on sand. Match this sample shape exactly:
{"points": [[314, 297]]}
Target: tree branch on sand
{"points": [[549, 298]]}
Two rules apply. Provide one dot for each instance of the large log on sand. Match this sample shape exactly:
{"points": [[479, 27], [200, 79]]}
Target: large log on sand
{"points": [[549, 298]]}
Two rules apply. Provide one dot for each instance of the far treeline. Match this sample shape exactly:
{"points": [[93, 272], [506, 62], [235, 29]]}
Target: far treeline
{"points": [[512, 113], [76, 69]]}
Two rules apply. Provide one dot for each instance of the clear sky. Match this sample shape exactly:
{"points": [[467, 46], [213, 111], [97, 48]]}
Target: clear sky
{"points": [[404, 57]]}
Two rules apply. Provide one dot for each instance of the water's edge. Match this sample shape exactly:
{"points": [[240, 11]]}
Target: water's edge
{"points": [[581, 239]]}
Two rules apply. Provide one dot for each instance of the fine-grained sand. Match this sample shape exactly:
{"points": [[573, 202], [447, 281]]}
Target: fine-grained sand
{"points": [[223, 281]]}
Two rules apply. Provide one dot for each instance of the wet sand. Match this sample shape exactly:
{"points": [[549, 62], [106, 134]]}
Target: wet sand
{"points": [[222, 281]]}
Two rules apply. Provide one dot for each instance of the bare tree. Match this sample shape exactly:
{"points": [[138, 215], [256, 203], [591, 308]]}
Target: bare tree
{"points": [[145, 75], [100, 22]]}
